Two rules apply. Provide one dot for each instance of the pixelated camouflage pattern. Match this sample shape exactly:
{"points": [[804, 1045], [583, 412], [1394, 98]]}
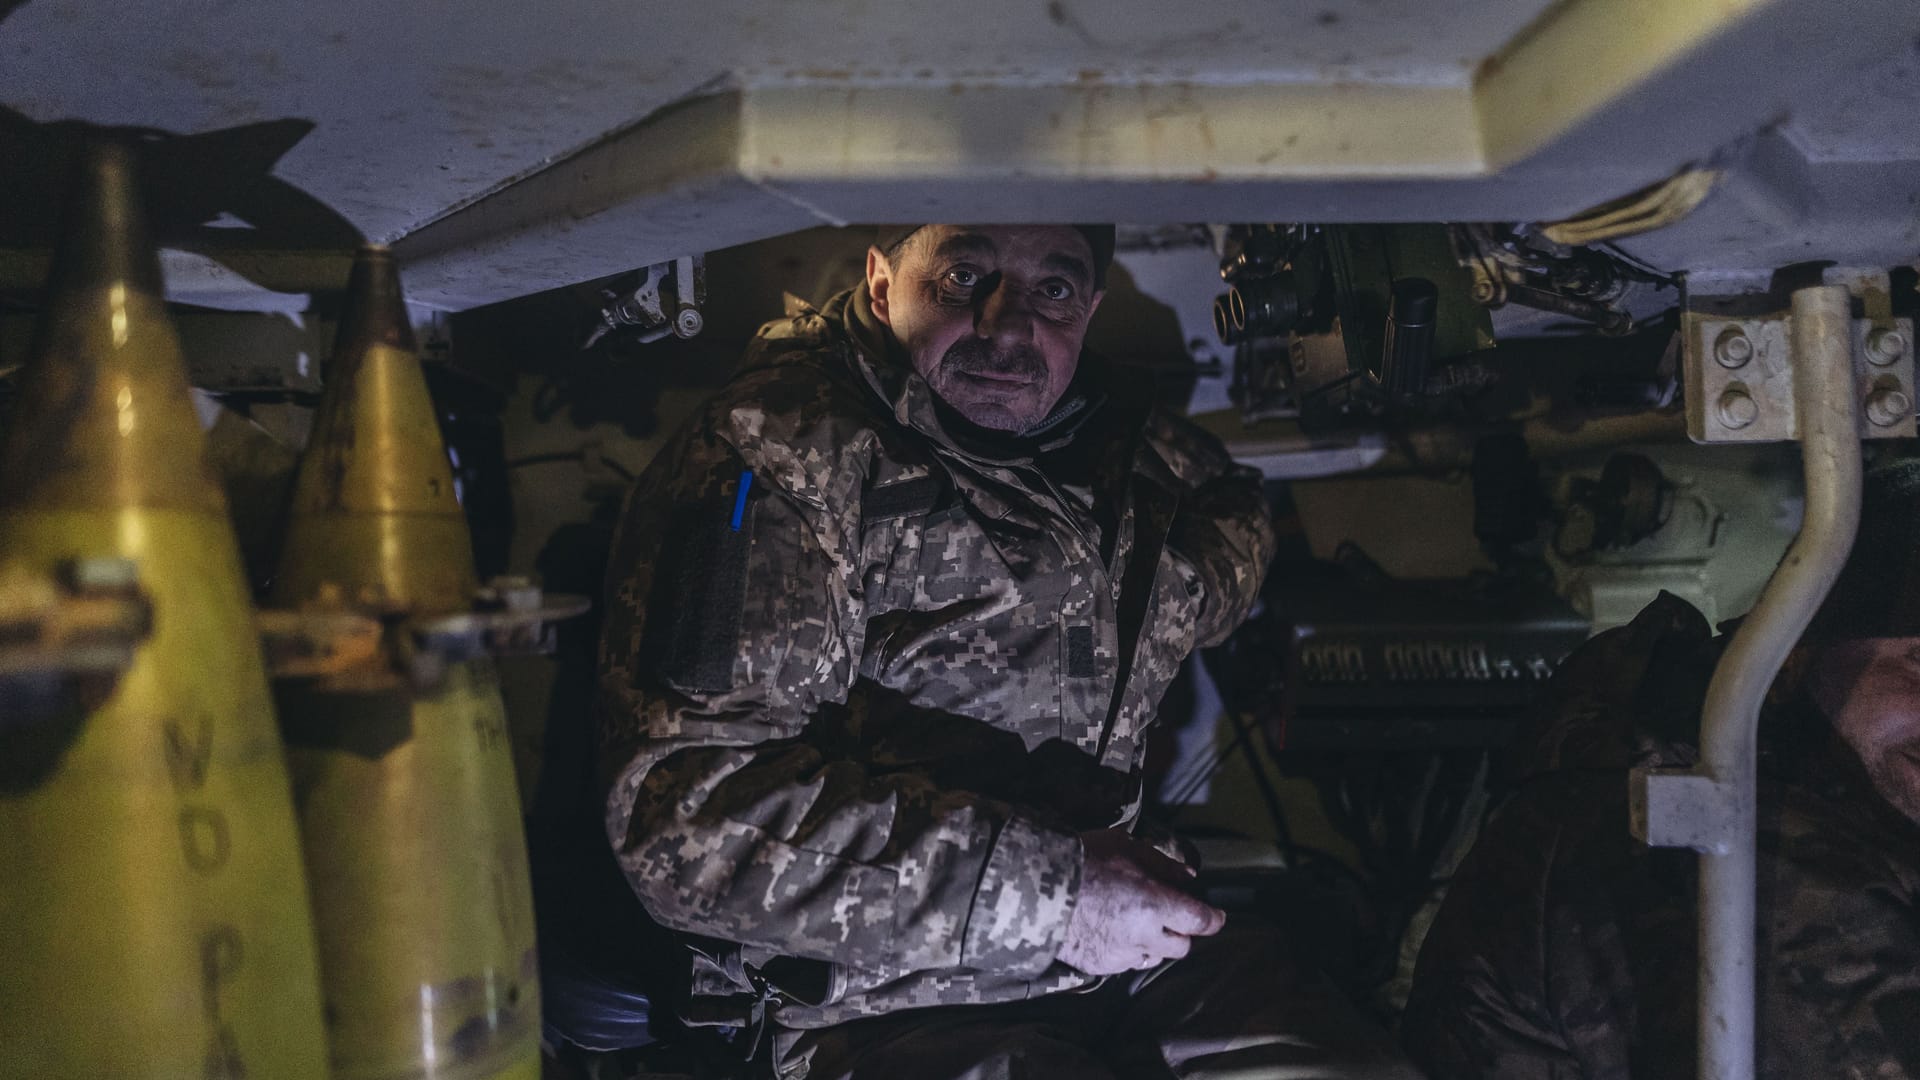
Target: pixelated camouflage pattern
{"points": [[1239, 1007], [1567, 949], [869, 800]]}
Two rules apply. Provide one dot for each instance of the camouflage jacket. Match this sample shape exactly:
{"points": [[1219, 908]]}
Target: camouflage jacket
{"points": [[1565, 949], [862, 680]]}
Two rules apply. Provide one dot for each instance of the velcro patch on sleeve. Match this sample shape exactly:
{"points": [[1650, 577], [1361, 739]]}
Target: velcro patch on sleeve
{"points": [[906, 498], [1080, 652], [700, 585]]}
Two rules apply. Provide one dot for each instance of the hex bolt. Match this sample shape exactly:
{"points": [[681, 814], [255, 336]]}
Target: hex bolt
{"points": [[1737, 409], [512, 592], [1885, 347], [102, 573], [688, 323], [1888, 406], [1733, 348]]}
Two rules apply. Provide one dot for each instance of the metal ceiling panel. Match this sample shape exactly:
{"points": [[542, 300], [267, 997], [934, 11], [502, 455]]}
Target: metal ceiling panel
{"points": [[507, 148]]}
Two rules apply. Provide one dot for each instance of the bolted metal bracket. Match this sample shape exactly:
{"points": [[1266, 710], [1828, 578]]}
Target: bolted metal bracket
{"points": [[88, 619], [321, 643], [1739, 376], [667, 301], [353, 650], [512, 617], [1678, 808]]}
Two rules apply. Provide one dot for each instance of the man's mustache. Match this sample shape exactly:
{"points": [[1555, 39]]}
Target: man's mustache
{"points": [[978, 356]]}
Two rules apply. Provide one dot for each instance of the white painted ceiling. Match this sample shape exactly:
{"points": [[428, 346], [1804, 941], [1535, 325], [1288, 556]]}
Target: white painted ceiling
{"points": [[508, 147], [425, 105]]}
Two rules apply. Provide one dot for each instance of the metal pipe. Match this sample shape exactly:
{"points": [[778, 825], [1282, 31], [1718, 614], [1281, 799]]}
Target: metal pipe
{"points": [[1825, 403]]}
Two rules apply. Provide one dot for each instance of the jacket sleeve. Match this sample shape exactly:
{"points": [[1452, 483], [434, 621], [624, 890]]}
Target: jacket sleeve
{"points": [[1563, 946], [733, 625], [1224, 529], [1480, 1008]]}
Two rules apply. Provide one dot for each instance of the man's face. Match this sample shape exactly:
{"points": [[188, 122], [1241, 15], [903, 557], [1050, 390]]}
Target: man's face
{"points": [[1870, 690], [992, 315]]}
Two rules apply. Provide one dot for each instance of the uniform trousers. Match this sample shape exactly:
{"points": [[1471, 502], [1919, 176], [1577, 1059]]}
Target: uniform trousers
{"points": [[1237, 1007]]}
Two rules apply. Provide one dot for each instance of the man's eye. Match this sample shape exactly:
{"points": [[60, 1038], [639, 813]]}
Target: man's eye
{"points": [[1056, 290], [963, 278]]}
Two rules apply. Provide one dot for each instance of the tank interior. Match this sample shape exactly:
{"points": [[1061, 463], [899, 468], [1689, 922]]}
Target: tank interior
{"points": [[1492, 293]]}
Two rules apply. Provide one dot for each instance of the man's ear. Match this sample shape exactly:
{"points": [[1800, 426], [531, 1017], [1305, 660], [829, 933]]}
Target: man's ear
{"points": [[880, 285]]}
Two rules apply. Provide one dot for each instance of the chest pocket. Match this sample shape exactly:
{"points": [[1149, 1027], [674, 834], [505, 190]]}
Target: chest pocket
{"points": [[894, 517], [961, 612], [1157, 604], [1168, 636]]}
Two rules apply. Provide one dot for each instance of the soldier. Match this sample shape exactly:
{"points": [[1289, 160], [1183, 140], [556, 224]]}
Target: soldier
{"points": [[1567, 949], [885, 626]]}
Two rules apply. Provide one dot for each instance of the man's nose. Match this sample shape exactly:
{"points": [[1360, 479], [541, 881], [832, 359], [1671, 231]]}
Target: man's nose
{"points": [[1003, 314]]}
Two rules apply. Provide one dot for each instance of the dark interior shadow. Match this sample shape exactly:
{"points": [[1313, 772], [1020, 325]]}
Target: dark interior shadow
{"points": [[1134, 330], [41, 716], [212, 193]]}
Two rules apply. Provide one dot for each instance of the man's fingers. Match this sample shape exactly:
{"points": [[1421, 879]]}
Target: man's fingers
{"points": [[1185, 915], [1175, 946]]}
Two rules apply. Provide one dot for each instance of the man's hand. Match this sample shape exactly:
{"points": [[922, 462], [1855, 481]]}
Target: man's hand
{"points": [[1132, 912]]}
